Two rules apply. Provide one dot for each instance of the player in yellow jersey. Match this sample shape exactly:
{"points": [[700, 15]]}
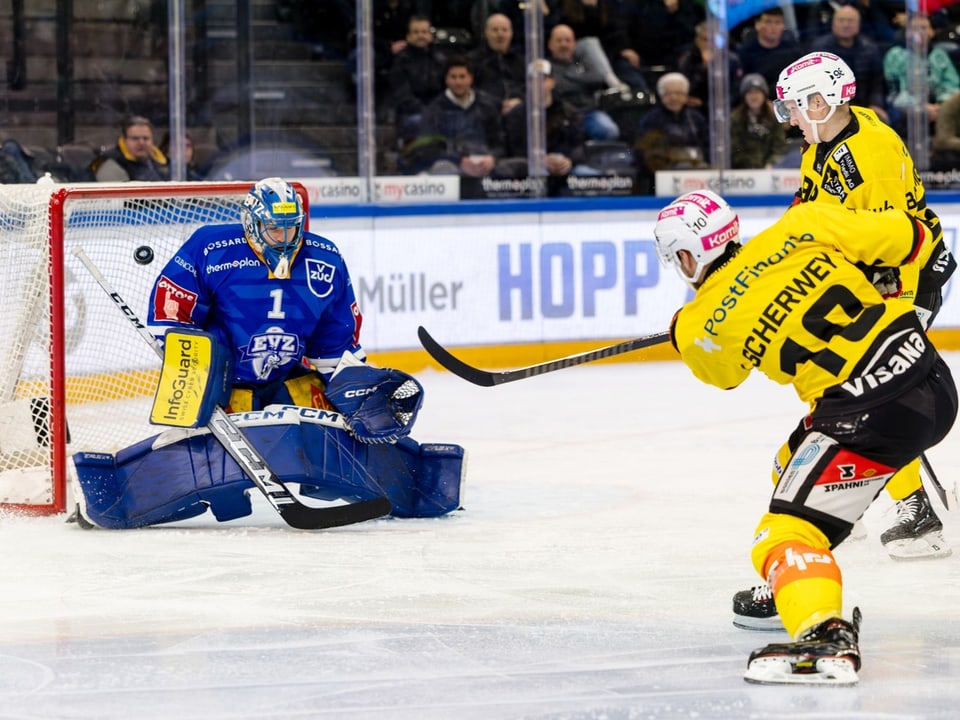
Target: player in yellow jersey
{"points": [[792, 304], [853, 160], [857, 161]]}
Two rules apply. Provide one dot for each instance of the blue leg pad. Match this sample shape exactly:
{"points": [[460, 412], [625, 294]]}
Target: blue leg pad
{"points": [[178, 476]]}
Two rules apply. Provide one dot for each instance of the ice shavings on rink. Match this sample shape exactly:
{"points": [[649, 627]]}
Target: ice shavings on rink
{"points": [[608, 515]]}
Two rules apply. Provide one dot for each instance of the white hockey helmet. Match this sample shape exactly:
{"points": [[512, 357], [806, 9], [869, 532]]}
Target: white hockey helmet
{"points": [[817, 73], [700, 222], [273, 205]]}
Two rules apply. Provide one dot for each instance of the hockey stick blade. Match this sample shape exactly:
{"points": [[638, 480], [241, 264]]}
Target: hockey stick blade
{"points": [[489, 378], [251, 462], [301, 517]]}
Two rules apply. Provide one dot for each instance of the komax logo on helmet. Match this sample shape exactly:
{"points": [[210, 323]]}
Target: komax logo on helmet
{"points": [[702, 224], [816, 73], [272, 216]]}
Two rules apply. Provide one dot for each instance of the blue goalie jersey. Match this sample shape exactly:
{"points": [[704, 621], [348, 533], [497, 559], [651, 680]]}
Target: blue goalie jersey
{"points": [[216, 282]]}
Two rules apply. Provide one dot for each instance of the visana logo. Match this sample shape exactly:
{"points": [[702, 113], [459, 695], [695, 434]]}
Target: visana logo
{"points": [[902, 359]]}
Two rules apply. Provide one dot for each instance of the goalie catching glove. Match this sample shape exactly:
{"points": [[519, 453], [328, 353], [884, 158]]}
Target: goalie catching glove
{"points": [[379, 404]]}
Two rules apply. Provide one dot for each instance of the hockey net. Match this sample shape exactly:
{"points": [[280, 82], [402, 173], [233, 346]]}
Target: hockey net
{"points": [[73, 376]]}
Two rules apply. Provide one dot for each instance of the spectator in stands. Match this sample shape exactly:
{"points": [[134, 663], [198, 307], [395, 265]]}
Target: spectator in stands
{"points": [[946, 138], [9, 172], [879, 21], [656, 29], [769, 50], [577, 83], [673, 135], [942, 78], [15, 164], [460, 131], [514, 11], [693, 60], [416, 78], [564, 139], [499, 71], [757, 139], [193, 171], [863, 57], [602, 41], [134, 157]]}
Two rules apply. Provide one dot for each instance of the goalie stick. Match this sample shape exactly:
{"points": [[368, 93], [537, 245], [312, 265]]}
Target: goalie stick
{"points": [[489, 378], [293, 512]]}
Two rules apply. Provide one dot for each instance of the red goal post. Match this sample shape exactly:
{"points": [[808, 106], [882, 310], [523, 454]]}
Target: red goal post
{"points": [[73, 377]]}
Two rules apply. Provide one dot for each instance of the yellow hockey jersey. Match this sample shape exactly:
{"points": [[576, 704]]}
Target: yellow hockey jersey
{"points": [[791, 304], [867, 167]]}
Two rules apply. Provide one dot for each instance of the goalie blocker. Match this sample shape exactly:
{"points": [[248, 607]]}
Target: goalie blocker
{"points": [[195, 379], [177, 474]]}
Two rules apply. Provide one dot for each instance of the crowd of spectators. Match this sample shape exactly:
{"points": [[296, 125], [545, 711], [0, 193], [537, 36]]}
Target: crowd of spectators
{"points": [[452, 78], [603, 47]]}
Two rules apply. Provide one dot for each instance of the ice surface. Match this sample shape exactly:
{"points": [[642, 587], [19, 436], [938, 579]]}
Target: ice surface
{"points": [[609, 513]]}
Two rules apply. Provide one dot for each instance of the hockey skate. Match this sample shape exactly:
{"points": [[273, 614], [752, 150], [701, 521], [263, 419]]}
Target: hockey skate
{"points": [[754, 609], [918, 532], [826, 654]]}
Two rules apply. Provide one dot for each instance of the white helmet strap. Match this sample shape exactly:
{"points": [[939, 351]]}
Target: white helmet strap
{"points": [[814, 124]]}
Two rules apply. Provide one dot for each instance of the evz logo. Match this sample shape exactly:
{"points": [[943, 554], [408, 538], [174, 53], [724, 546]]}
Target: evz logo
{"points": [[320, 277], [271, 350]]}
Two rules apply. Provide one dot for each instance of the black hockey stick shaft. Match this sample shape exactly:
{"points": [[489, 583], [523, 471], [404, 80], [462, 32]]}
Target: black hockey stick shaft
{"points": [[934, 480], [489, 378], [236, 444]]}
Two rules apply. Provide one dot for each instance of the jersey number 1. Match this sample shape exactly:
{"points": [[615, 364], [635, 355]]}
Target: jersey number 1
{"points": [[275, 312]]}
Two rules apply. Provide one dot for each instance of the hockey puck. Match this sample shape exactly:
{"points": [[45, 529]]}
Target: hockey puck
{"points": [[143, 255]]}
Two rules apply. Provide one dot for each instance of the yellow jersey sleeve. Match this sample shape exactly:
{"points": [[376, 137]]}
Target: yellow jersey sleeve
{"points": [[792, 305]]}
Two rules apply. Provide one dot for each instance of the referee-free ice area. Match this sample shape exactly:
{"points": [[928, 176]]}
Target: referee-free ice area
{"points": [[608, 516]]}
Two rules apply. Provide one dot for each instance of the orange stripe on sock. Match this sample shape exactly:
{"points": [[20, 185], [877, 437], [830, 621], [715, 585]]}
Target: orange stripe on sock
{"points": [[792, 561], [806, 583]]}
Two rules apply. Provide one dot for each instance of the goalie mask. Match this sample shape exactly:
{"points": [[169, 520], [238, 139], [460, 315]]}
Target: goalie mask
{"points": [[272, 216], [818, 73], [700, 222]]}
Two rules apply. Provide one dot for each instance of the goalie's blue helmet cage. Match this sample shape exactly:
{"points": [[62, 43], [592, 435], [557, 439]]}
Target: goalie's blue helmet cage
{"points": [[273, 203]]}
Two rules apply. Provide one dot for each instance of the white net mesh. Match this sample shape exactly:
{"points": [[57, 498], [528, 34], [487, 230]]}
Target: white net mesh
{"points": [[110, 373]]}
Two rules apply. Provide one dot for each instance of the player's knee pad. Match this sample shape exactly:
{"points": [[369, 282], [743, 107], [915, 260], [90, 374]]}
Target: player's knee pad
{"points": [[828, 485]]}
